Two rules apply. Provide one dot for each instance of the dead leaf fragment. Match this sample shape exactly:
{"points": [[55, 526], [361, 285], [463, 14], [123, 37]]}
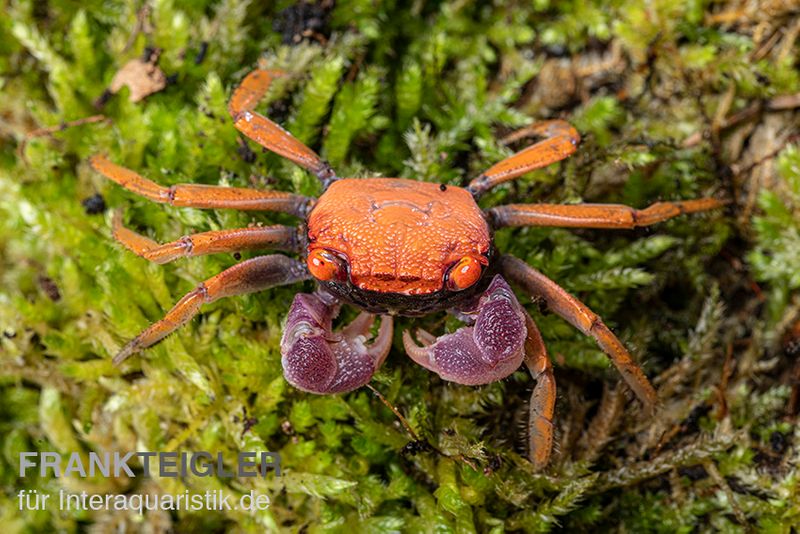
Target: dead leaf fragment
{"points": [[143, 78]]}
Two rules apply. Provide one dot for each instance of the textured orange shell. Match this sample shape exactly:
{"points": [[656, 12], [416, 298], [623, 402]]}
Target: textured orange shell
{"points": [[399, 236]]}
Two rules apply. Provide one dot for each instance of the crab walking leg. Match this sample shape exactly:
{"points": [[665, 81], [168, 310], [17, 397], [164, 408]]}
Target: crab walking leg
{"points": [[561, 141], [317, 360], [595, 215], [581, 317], [543, 398], [202, 196], [249, 276], [217, 241], [265, 132], [500, 337]]}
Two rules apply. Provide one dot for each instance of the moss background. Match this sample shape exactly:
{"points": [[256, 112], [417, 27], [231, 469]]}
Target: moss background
{"points": [[675, 100]]}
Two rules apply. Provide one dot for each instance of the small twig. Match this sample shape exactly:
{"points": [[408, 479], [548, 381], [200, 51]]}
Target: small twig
{"points": [[676, 486], [737, 170], [634, 473], [722, 388], [725, 17], [50, 130], [782, 102], [410, 430], [794, 397], [603, 424], [768, 44], [720, 481], [778, 103], [396, 412], [140, 27], [791, 346]]}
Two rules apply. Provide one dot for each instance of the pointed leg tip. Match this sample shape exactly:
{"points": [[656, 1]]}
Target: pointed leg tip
{"points": [[540, 447], [651, 407], [126, 352], [539, 464], [649, 399], [121, 356], [95, 161], [116, 219]]}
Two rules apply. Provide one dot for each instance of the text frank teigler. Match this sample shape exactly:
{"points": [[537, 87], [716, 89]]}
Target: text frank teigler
{"points": [[182, 465]]}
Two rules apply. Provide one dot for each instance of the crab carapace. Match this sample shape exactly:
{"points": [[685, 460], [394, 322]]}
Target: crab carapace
{"points": [[393, 246]]}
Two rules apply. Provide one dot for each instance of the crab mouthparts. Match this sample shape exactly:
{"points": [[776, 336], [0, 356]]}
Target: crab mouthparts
{"points": [[401, 286]]}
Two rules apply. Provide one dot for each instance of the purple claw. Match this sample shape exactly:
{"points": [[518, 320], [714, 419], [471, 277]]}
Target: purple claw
{"points": [[317, 360], [489, 350]]}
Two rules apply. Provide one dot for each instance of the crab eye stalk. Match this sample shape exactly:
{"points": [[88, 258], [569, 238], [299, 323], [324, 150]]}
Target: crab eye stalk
{"points": [[324, 265], [464, 273]]}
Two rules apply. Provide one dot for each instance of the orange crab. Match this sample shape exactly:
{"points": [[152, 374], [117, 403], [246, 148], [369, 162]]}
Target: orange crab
{"points": [[392, 246]]}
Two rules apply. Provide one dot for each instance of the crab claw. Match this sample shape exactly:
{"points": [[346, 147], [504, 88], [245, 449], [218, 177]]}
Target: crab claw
{"points": [[489, 350], [317, 360]]}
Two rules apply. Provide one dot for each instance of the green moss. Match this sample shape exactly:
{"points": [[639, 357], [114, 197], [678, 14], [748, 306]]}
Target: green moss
{"points": [[424, 91]]}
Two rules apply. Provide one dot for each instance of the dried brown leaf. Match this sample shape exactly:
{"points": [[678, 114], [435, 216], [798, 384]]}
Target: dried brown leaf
{"points": [[143, 78]]}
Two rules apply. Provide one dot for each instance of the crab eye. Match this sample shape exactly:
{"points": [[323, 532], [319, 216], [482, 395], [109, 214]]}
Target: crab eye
{"points": [[325, 265], [464, 273]]}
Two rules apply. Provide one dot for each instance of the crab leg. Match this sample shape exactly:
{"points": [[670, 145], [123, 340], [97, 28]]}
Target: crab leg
{"points": [[543, 398], [318, 360], [202, 196], [500, 336], [561, 140], [595, 215], [249, 276], [275, 237], [265, 132], [581, 317]]}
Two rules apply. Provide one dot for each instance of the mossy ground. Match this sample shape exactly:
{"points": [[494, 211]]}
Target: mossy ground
{"points": [[675, 100]]}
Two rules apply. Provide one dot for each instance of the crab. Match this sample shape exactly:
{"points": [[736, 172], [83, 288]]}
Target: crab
{"points": [[393, 247]]}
